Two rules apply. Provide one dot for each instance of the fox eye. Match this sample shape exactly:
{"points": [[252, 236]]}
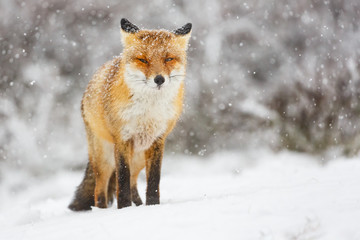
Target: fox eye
{"points": [[169, 59], [143, 60]]}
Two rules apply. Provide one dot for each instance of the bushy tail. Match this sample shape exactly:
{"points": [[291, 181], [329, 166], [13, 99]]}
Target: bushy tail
{"points": [[84, 195]]}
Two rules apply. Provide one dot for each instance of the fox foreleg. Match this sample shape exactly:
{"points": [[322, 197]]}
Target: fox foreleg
{"points": [[123, 156], [154, 157]]}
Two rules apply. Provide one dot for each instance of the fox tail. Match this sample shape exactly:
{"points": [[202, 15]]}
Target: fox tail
{"points": [[84, 195]]}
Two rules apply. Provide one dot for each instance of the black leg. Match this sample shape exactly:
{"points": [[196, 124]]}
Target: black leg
{"points": [[135, 196], [111, 189], [101, 201], [123, 181], [153, 169]]}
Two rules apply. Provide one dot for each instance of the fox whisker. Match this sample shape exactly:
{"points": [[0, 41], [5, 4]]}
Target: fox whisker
{"points": [[176, 76], [139, 80]]}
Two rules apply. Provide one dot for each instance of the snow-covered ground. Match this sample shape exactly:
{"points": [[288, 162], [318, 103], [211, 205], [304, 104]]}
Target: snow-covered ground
{"points": [[253, 195]]}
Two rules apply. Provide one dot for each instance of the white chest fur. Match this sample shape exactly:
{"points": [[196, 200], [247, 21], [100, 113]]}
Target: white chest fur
{"points": [[146, 117]]}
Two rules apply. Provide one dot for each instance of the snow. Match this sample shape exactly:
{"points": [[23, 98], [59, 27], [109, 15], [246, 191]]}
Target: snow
{"points": [[231, 195]]}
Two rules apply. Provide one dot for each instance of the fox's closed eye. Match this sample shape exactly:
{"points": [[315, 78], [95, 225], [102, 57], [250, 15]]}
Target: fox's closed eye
{"points": [[169, 59], [143, 60]]}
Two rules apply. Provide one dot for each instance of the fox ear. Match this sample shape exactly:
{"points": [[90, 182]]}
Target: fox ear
{"points": [[128, 31], [183, 34], [183, 30], [128, 27]]}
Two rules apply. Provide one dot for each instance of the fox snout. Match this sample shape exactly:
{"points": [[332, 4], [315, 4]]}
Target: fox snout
{"points": [[159, 80]]}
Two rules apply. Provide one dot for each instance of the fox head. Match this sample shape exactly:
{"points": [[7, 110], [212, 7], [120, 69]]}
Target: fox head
{"points": [[154, 59]]}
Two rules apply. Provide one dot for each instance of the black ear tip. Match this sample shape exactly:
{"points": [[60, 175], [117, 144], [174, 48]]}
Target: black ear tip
{"points": [[127, 26], [184, 29], [123, 21]]}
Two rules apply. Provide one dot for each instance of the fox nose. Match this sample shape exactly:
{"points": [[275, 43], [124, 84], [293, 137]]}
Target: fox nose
{"points": [[159, 79]]}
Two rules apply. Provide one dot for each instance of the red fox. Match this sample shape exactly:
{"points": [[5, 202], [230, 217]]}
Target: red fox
{"points": [[129, 108]]}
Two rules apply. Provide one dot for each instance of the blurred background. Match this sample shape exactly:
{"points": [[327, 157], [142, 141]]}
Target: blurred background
{"points": [[261, 74]]}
